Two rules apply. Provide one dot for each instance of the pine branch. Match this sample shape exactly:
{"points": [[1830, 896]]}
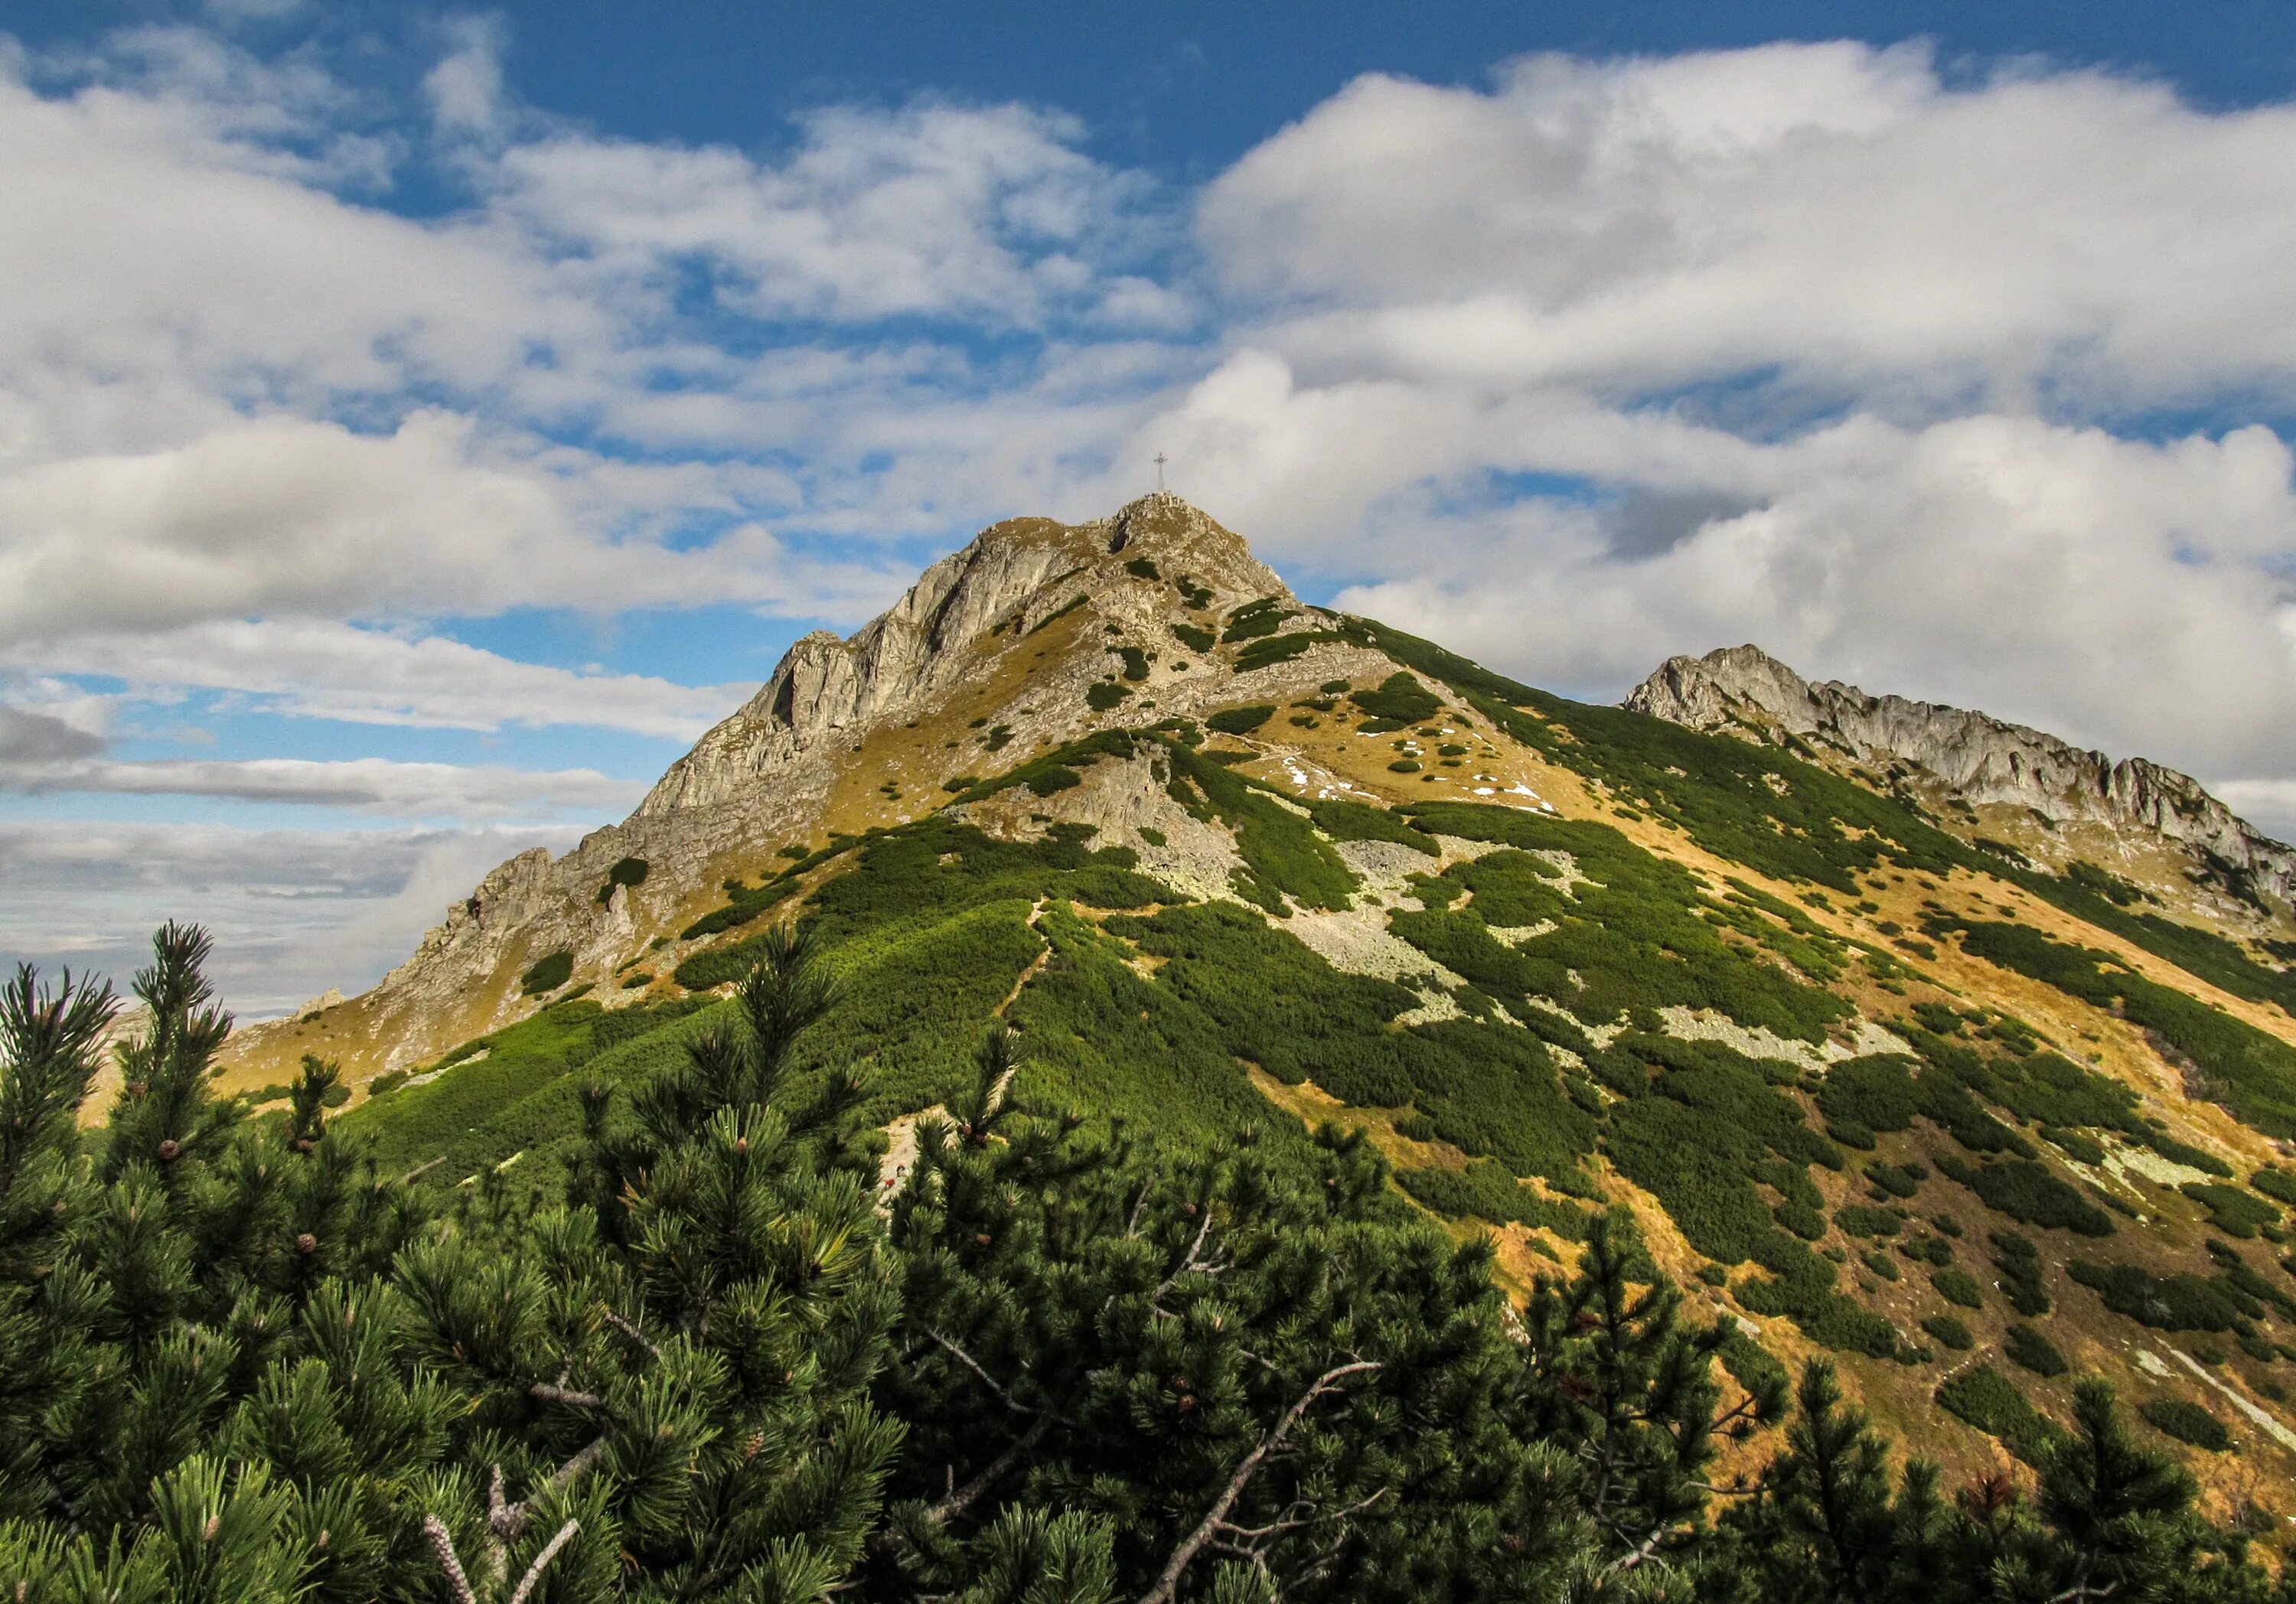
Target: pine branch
{"points": [[1191, 1263], [1647, 1551], [1325, 1384], [442, 1543], [964, 1498], [2083, 1589], [549, 1553], [987, 1381], [557, 1392], [634, 1334], [1290, 1522], [1263, 1362], [506, 1523], [569, 1473]]}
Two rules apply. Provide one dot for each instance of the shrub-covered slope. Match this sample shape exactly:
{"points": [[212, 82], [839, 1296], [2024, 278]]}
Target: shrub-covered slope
{"points": [[1872, 1091]]}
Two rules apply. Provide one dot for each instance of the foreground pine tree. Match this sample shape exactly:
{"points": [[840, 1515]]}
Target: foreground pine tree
{"points": [[1052, 1366], [1230, 1371], [1627, 1396], [241, 1365]]}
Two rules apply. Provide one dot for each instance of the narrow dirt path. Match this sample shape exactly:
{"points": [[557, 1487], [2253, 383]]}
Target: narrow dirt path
{"points": [[901, 1136], [1036, 965]]}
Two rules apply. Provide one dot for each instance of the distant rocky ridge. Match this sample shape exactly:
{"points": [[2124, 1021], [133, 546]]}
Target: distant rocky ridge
{"points": [[1742, 690]]}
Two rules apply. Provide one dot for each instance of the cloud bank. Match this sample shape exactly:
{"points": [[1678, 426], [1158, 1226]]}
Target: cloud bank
{"points": [[378, 785], [294, 912]]}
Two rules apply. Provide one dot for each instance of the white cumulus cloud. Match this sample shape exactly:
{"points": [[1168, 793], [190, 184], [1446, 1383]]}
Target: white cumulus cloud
{"points": [[315, 668], [1811, 345]]}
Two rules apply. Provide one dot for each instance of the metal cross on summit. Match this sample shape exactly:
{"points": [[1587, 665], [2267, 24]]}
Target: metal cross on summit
{"points": [[1160, 459]]}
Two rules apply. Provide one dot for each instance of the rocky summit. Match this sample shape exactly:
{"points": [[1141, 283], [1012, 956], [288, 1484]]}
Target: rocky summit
{"points": [[1906, 1036]]}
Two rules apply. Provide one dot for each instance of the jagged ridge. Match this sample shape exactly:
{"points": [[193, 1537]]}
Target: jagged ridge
{"points": [[1977, 758], [826, 685]]}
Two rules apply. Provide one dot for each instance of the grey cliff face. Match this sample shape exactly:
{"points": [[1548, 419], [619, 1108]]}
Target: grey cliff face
{"points": [[1742, 690], [826, 687]]}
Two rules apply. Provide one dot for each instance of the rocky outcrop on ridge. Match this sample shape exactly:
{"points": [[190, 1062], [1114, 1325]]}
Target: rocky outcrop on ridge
{"points": [[1742, 690], [826, 686]]}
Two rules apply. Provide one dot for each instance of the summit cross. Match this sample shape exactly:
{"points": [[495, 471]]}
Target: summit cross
{"points": [[1160, 459]]}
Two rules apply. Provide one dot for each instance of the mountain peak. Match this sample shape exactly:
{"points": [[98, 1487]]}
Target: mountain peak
{"points": [[1033, 633], [1160, 524], [1162, 519], [1015, 577]]}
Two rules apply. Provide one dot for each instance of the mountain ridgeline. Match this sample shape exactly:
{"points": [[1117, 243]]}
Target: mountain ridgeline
{"points": [[1113, 1082]]}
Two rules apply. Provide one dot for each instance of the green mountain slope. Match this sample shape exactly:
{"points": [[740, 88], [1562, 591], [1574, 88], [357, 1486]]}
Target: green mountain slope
{"points": [[1873, 1090]]}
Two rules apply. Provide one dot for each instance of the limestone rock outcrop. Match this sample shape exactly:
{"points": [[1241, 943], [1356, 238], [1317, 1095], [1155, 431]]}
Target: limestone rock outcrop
{"points": [[1742, 690], [826, 686]]}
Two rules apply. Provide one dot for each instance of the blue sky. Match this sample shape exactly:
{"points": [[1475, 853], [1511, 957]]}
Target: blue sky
{"points": [[416, 424]]}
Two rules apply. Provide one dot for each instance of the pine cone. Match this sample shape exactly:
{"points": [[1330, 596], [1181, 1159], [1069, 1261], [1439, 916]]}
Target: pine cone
{"points": [[304, 1243], [170, 1150]]}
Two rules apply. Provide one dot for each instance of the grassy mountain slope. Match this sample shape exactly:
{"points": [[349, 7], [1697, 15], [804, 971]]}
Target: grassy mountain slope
{"points": [[1872, 1089]]}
